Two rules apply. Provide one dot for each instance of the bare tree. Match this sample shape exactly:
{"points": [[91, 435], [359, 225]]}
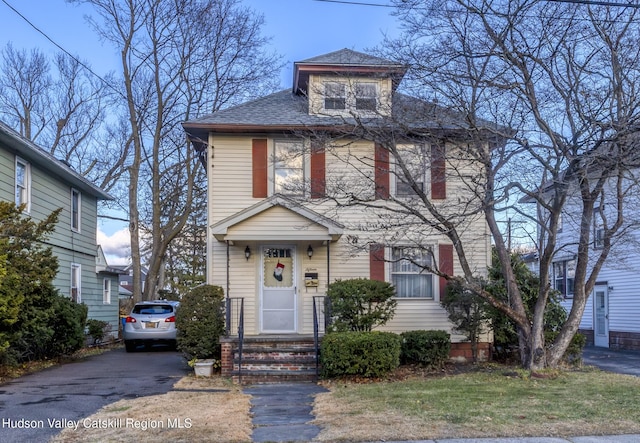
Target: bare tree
{"points": [[179, 60], [562, 77], [59, 105]]}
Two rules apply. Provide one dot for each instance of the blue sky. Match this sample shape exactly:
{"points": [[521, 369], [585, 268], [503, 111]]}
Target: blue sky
{"points": [[299, 29]]}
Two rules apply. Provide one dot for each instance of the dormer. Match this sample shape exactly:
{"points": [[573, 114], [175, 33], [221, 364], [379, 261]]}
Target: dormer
{"points": [[347, 83]]}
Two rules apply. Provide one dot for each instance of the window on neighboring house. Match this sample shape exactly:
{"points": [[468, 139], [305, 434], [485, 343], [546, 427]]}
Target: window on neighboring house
{"points": [[408, 273], [106, 291], [414, 159], [563, 277], [366, 96], [335, 95], [76, 274], [23, 184], [75, 209], [289, 167], [598, 229]]}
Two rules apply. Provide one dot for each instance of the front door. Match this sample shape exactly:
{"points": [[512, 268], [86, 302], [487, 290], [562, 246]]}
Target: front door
{"points": [[601, 316], [278, 303]]}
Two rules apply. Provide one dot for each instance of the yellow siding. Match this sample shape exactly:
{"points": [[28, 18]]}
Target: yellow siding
{"points": [[279, 223], [350, 166]]}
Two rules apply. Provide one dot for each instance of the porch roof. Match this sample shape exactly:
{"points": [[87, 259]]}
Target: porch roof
{"points": [[262, 221]]}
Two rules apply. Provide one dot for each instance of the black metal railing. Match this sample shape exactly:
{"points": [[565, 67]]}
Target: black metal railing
{"points": [[234, 325], [321, 322], [233, 313]]}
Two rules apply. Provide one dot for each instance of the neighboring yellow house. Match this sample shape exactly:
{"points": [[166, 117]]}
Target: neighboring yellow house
{"points": [[284, 174]]}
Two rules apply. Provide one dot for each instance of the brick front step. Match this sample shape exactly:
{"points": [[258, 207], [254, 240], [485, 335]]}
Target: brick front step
{"points": [[269, 359]]}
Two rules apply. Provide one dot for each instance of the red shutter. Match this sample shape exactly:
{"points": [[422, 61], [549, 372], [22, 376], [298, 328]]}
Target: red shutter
{"points": [[318, 181], [445, 265], [381, 173], [438, 172], [259, 163], [376, 262]]}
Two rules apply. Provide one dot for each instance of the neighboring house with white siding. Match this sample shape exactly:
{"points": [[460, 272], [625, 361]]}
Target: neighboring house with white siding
{"points": [[611, 314], [30, 175], [277, 237]]}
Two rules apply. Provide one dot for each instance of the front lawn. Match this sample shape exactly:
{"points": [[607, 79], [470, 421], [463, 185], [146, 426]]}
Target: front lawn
{"points": [[489, 402]]}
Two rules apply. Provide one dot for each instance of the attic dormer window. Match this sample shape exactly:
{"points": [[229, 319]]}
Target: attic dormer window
{"points": [[335, 95]]}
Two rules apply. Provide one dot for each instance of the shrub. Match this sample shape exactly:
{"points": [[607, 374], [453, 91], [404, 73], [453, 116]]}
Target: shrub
{"points": [[366, 354], [467, 311], [360, 304], [427, 348], [68, 323], [97, 329], [200, 322], [49, 325]]}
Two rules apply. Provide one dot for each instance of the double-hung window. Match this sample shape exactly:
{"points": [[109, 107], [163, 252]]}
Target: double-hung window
{"points": [[409, 273], [106, 291], [414, 159], [23, 184], [76, 276], [75, 209], [289, 167], [366, 96], [335, 95], [563, 277]]}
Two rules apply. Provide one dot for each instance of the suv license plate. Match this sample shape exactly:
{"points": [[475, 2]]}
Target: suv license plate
{"points": [[151, 324]]}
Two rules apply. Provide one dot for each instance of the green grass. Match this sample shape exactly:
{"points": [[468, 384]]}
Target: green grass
{"points": [[490, 403]]}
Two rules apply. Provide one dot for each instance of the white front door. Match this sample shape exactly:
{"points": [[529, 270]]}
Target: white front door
{"points": [[601, 316], [278, 301]]}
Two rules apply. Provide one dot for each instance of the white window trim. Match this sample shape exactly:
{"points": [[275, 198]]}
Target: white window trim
{"points": [[350, 87], [27, 184], [75, 228], [306, 165], [565, 264], [106, 291], [77, 285], [426, 175], [390, 272]]}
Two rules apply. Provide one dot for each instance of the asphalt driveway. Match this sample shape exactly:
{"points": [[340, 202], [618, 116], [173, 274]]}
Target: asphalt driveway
{"points": [[613, 360], [34, 407]]}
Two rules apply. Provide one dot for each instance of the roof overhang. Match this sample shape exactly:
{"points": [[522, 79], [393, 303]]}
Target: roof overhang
{"points": [[306, 224]]}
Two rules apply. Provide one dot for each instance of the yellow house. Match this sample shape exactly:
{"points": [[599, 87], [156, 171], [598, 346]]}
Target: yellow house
{"points": [[309, 185]]}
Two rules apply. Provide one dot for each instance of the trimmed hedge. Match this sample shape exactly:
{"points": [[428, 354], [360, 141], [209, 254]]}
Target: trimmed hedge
{"points": [[200, 322], [366, 354], [427, 348]]}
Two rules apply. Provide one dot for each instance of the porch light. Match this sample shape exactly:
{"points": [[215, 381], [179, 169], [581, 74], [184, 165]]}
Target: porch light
{"points": [[247, 252], [310, 251]]}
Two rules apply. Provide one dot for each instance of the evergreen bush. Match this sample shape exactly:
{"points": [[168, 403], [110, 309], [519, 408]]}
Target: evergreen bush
{"points": [[360, 304], [365, 354], [200, 322], [426, 348]]}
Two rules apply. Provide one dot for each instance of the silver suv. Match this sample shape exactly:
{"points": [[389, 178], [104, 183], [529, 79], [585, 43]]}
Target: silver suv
{"points": [[150, 322]]}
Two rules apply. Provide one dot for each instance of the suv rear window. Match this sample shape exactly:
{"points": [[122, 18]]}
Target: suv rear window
{"points": [[152, 309]]}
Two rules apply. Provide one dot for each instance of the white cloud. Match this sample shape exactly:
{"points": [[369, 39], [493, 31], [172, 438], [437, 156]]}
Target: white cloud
{"points": [[116, 247]]}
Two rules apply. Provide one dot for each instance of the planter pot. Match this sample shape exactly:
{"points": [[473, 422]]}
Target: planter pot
{"points": [[203, 368]]}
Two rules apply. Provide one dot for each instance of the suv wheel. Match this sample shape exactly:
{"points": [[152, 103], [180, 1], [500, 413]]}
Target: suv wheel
{"points": [[129, 345]]}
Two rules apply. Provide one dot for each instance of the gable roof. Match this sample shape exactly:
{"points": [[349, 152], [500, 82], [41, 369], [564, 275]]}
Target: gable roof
{"points": [[329, 229], [26, 149]]}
